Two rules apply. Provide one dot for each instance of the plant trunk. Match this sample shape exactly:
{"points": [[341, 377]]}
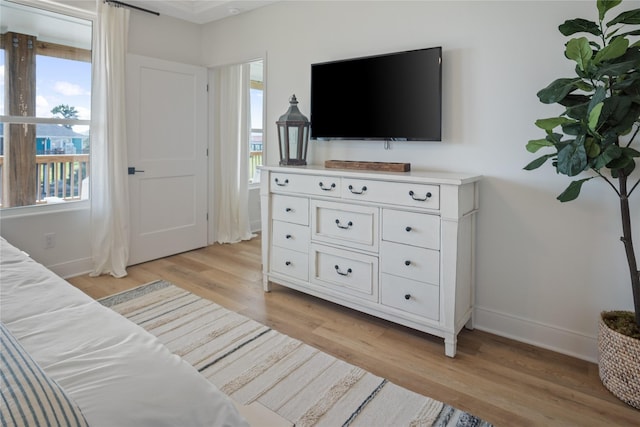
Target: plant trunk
{"points": [[628, 244]]}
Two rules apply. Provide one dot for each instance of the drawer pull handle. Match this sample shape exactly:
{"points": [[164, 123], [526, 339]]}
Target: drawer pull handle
{"points": [[407, 296], [407, 263], [286, 181], [364, 188], [288, 210], [344, 227], [341, 273], [330, 188], [413, 196], [287, 263], [408, 229], [288, 236]]}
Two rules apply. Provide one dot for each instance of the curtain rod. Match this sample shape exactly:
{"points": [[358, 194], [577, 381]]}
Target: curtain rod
{"points": [[142, 9]]}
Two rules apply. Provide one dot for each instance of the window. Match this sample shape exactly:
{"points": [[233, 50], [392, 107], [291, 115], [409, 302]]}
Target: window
{"points": [[45, 106], [256, 137]]}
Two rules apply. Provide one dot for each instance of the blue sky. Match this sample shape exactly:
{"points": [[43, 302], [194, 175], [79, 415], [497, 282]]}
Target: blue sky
{"points": [[54, 85]]}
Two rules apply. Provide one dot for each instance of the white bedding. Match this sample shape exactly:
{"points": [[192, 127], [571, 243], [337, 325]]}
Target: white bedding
{"points": [[117, 373]]}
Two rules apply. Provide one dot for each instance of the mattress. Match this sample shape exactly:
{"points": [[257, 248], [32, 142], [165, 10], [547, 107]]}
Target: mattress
{"points": [[117, 373]]}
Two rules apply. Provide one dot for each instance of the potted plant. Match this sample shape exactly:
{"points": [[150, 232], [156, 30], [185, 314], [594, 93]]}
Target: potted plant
{"points": [[596, 134]]}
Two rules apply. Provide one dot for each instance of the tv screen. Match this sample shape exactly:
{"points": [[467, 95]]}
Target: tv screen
{"points": [[395, 96]]}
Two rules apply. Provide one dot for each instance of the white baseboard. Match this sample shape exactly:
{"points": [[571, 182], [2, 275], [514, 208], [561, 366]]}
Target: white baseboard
{"points": [[542, 335], [72, 268]]}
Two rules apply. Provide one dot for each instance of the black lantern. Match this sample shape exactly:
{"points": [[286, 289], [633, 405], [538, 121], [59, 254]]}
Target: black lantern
{"points": [[293, 135]]}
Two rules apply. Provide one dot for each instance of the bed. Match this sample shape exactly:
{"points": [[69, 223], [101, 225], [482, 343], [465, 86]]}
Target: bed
{"points": [[68, 360]]}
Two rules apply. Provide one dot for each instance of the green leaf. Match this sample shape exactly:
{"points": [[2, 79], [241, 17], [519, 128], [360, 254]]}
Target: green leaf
{"points": [[552, 123], [622, 162], [615, 69], [592, 148], [572, 159], [606, 5], [557, 90], [594, 116], [573, 100], [610, 153], [579, 51], [578, 111], [538, 162], [631, 17], [615, 49], [619, 113], [584, 86], [572, 191], [629, 33], [575, 128], [630, 152], [628, 169], [579, 25], [598, 96], [535, 144]]}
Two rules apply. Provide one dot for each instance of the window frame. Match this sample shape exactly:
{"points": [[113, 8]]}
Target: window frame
{"points": [[253, 84], [75, 13]]}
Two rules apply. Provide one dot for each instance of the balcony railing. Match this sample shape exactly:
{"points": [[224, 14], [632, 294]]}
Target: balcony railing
{"points": [[59, 177], [255, 160]]}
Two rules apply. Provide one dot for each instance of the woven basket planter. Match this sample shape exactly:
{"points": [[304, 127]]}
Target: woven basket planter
{"points": [[619, 364]]}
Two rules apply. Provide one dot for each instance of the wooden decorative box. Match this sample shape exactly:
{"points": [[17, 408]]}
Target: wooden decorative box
{"points": [[377, 166]]}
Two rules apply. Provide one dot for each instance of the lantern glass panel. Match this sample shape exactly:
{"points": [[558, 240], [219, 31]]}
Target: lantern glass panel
{"points": [[293, 143], [284, 153]]}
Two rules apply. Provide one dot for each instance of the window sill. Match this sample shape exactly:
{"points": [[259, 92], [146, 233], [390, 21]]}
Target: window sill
{"points": [[25, 211]]}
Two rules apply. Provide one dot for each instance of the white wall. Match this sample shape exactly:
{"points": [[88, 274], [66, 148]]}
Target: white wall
{"points": [[544, 269]]}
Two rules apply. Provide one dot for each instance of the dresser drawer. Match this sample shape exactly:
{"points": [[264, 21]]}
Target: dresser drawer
{"points": [[290, 209], [394, 193], [352, 225], [345, 272], [305, 184], [291, 236], [410, 296], [411, 262], [291, 263], [411, 228]]}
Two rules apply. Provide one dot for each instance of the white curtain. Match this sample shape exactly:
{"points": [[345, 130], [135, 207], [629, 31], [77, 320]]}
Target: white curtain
{"points": [[231, 130], [109, 185]]}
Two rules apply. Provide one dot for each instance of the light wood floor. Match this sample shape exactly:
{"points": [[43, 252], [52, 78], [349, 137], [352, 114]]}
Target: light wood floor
{"points": [[500, 380]]}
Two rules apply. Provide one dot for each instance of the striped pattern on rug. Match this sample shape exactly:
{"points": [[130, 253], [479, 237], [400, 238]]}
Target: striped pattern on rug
{"points": [[251, 362]]}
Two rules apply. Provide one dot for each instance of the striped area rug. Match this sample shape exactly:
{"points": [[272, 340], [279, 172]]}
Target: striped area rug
{"points": [[251, 362]]}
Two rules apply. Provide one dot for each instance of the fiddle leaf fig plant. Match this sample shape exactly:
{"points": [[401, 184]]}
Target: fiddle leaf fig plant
{"points": [[596, 133]]}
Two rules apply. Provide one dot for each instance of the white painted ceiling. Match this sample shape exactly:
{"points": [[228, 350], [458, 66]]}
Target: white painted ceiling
{"points": [[199, 11]]}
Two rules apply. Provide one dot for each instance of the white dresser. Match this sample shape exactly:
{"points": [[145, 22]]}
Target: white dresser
{"points": [[396, 245]]}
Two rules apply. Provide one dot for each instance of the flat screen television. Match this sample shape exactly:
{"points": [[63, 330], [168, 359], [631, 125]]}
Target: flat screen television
{"points": [[395, 97]]}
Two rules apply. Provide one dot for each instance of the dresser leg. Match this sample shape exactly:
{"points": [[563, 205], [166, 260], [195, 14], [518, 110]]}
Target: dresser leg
{"points": [[265, 283], [469, 324], [450, 343]]}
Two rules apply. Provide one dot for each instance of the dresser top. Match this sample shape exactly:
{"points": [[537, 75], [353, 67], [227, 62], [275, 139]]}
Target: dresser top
{"points": [[434, 177]]}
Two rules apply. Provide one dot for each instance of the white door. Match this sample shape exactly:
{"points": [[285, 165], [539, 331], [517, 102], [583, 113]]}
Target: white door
{"points": [[166, 130]]}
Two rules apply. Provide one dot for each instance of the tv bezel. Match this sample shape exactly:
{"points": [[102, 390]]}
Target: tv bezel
{"points": [[349, 138]]}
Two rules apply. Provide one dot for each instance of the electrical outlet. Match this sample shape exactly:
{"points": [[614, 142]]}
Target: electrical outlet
{"points": [[49, 240]]}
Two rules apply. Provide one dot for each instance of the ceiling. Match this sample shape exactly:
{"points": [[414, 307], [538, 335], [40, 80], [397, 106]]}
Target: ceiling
{"points": [[199, 11]]}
